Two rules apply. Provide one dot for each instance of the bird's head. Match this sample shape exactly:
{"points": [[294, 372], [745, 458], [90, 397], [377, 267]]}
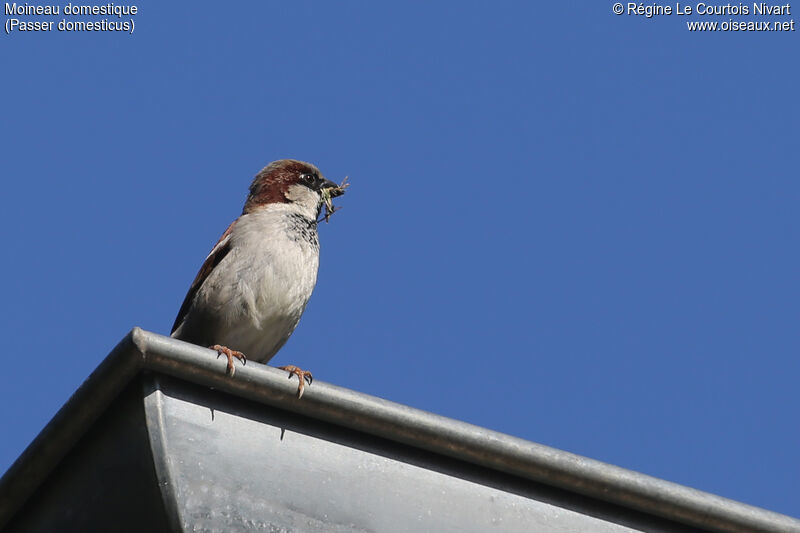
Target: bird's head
{"points": [[288, 181]]}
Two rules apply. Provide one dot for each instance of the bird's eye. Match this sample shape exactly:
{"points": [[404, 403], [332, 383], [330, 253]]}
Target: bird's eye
{"points": [[308, 178]]}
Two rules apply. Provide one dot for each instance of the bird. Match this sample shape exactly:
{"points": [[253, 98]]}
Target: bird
{"points": [[252, 289]]}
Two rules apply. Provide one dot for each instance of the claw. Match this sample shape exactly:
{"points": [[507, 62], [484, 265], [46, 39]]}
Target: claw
{"points": [[303, 376], [230, 354]]}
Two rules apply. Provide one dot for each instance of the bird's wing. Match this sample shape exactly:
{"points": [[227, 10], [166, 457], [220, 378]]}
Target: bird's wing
{"points": [[219, 251]]}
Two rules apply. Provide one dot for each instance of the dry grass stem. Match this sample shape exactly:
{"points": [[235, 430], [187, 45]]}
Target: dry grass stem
{"points": [[328, 194]]}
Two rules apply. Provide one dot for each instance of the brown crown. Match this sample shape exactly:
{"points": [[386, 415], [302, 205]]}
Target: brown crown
{"points": [[273, 181]]}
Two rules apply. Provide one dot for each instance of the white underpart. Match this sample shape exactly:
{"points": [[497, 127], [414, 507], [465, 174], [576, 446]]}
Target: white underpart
{"points": [[253, 299]]}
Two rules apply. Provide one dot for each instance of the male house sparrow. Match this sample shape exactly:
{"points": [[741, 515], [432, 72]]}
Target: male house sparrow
{"points": [[254, 285]]}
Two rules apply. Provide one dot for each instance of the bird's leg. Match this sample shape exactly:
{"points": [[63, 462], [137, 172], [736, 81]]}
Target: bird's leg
{"points": [[230, 354], [302, 375]]}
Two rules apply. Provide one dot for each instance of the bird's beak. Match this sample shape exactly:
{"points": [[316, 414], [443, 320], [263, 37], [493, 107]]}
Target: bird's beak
{"points": [[328, 184]]}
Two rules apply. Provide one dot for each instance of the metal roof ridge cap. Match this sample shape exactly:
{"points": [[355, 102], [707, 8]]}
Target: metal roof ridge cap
{"points": [[70, 423], [465, 441], [141, 349]]}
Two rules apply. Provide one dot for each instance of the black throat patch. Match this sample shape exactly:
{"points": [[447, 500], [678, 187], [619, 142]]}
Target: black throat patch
{"points": [[303, 229]]}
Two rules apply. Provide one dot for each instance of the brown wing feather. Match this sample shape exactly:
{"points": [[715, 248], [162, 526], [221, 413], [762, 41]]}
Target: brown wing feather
{"points": [[219, 251]]}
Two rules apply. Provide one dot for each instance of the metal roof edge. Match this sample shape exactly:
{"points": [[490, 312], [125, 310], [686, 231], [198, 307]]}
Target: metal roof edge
{"points": [[141, 350], [68, 425]]}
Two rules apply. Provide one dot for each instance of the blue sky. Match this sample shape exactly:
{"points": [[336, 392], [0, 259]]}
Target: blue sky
{"points": [[570, 226]]}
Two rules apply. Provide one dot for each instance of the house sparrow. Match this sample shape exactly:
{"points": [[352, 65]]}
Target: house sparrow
{"points": [[254, 285]]}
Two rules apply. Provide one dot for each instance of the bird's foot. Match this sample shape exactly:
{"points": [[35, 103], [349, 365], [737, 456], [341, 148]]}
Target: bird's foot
{"points": [[230, 354], [303, 375]]}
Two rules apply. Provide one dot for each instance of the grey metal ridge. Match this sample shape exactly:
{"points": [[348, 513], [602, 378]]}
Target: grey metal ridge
{"points": [[145, 351]]}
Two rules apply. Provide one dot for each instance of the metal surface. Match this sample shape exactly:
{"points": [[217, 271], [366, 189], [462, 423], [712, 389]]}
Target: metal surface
{"points": [[239, 466], [68, 425], [106, 482], [630, 492]]}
